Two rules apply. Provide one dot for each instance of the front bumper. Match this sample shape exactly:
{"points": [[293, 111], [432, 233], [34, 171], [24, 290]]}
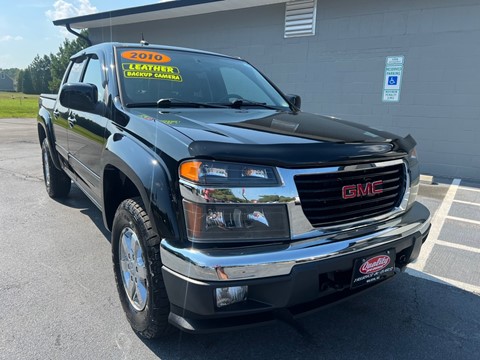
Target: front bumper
{"points": [[300, 276]]}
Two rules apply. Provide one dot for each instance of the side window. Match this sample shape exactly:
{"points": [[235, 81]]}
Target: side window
{"points": [[93, 75], [76, 70]]}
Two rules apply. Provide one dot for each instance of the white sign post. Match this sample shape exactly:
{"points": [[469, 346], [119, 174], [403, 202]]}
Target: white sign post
{"points": [[392, 81]]}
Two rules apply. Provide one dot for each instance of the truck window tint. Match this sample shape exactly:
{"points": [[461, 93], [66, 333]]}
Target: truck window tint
{"points": [[93, 75], [237, 83], [76, 71], [192, 78]]}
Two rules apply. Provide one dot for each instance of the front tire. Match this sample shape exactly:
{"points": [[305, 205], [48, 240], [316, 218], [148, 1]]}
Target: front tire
{"points": [[57, 183], [138, 270]]}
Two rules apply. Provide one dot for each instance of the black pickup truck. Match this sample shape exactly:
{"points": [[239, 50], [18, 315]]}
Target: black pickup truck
{"points": [[227, 205]]}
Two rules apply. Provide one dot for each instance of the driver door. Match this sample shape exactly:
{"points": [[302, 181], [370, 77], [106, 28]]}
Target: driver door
{"points": [[86, 135]]}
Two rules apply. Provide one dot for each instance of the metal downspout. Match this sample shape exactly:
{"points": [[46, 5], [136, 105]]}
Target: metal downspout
{"points": [[70, 30]]}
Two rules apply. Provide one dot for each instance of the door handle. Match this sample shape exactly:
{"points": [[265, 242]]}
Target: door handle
{"points": [[72, 121]]}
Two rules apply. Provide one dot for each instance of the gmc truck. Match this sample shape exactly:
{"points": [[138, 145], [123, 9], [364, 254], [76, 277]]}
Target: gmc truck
{"points": [[227, 205]]}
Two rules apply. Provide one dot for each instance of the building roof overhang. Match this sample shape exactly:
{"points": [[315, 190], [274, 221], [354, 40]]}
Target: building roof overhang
{"points": [[158, 11]]}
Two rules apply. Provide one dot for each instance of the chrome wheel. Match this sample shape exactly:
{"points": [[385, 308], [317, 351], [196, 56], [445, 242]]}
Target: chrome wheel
{"points": [[138, 270], [133, 269]]}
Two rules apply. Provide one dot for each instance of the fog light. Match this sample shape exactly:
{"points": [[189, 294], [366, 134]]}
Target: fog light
{"points": [[231, 295]]}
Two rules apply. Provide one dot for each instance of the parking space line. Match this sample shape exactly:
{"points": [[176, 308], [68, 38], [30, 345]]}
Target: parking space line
{"points": [[466, 202], [470, 189], [443, 280], [458, 246], [464, 220], [437, 223]]}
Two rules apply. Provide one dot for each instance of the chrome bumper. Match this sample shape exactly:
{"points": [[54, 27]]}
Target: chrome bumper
{"points": [[254, 262]]}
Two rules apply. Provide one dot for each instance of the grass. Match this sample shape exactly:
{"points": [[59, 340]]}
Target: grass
{"points": [[18, 105]]}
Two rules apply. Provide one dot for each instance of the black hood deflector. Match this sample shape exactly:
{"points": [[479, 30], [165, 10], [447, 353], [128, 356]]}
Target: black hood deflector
{"points": [[303, 155]]}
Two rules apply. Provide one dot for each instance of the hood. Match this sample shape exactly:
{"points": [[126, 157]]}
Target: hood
{"points": [[287, 139]]}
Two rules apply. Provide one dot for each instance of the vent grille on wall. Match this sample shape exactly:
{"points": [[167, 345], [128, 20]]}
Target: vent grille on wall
{"points": [[300, 18]]}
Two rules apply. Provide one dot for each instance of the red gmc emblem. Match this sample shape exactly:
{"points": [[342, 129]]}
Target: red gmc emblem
{"points": [[361, 190]]}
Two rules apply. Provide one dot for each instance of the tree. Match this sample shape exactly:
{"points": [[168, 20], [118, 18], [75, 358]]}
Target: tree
{"points": [[27, 84], [20, 81], [45, 73], [60, 60], [40, 71]]}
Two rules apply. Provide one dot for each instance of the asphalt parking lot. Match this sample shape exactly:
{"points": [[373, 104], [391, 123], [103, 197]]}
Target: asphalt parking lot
{"points": [[58, 297], [452, 253]]}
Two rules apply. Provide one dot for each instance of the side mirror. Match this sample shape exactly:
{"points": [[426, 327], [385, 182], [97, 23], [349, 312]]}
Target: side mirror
{"points": [[79, 96], [295, 100]]}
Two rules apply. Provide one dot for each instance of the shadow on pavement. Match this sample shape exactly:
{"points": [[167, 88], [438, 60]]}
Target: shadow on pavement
{"points": [[407, 318], [78, 200]]}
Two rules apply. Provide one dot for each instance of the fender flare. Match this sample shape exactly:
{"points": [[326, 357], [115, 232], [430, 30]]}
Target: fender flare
{"points": [[149, 175], [45, 121]]}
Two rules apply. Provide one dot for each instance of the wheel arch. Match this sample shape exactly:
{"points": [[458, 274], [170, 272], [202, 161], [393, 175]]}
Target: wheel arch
{"points": [[130, 170], [117, 186], [45, 131]]}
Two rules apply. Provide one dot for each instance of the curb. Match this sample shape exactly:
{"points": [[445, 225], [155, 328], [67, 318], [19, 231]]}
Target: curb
{"points": [[426, 179]]}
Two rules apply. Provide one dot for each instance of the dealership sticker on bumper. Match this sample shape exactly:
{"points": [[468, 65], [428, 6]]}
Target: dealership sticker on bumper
{"points": [[373, 268]]}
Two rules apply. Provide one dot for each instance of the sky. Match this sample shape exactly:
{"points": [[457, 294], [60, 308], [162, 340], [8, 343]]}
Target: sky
{"points": [[26, 27]]}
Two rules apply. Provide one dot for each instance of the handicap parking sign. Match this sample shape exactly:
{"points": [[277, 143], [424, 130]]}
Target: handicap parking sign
{"points": [[392, 80]]}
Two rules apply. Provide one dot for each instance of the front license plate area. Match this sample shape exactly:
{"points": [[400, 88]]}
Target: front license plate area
{"points": [[373, 268]]}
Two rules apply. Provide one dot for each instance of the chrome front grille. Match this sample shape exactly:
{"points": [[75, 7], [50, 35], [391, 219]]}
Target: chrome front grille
{"points": [[345, 197]]}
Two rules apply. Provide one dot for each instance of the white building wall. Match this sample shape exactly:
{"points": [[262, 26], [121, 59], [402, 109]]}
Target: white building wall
{"points": [[340, 70]]}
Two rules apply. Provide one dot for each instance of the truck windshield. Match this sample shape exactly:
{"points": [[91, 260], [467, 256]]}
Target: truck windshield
{"points": [[169, 78]]}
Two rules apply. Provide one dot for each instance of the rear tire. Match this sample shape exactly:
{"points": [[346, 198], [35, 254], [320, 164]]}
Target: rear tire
{"points": [[138, 270], [57, 183]]}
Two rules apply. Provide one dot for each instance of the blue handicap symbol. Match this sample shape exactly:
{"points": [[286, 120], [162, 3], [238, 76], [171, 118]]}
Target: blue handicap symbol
{"points": [[392, 80]]}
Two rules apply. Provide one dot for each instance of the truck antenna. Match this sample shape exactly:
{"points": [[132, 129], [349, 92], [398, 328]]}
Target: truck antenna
{"points": [[143, 42]]}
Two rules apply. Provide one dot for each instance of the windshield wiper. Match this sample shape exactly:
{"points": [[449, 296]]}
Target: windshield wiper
{"points": [[169, 102], [237, 104], [172, 102]]}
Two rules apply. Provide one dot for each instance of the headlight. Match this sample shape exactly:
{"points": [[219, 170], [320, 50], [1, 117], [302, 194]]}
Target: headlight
{"points": [[228, 174], [231, 218], [237, 222]]}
